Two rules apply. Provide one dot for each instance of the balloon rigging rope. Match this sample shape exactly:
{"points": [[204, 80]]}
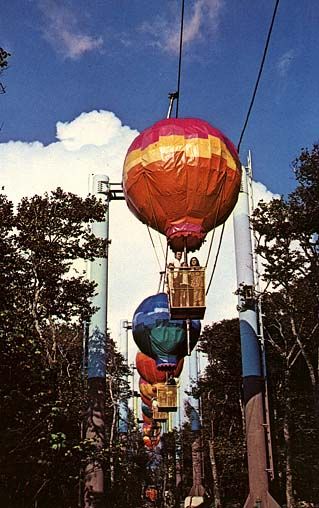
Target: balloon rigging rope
{"points": [[152, 241], [163, 274], [259, 75], [156, 223]]}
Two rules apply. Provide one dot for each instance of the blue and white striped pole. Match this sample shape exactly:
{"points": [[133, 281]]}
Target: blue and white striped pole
{"points": [[123, 406], [96, 350], [253, 381]]}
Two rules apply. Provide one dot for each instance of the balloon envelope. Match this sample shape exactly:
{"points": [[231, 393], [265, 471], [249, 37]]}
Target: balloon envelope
{"points": [[148, 390], [148, 370], [146, 419], [158, 336], [147, 411], [181, 176]]}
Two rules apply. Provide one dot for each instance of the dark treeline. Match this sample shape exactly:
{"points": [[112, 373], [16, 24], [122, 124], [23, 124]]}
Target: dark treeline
{"points": [[43, 393]]}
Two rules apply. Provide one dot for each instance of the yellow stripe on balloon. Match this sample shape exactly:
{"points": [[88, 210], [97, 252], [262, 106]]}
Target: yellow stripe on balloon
{"points": [[168, 145]]}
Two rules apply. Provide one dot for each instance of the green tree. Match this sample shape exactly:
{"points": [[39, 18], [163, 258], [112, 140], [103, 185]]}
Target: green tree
{"points": [[41, 310], [287, 234], [44, 302], [4, 55], [223, 418]]}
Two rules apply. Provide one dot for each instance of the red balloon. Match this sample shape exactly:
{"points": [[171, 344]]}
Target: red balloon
{"points": [[146, 400], [148, 370]]}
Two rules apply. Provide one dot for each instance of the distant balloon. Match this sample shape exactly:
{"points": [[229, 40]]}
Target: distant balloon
{"points": [[146, 419], [158, 336], [146, 400], [181, 176], [151, 442], [150, 430], [148, 370], [147, 411]]}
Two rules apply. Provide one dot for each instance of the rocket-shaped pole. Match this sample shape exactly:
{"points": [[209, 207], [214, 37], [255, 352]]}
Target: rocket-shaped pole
{"points": [[253, 380], [197, 489], [123, 407], [96, 348]]}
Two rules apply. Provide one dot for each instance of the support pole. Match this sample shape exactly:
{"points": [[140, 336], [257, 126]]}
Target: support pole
{"points": [[123, 407], [253, 381], [197, 490], [94, 494]]}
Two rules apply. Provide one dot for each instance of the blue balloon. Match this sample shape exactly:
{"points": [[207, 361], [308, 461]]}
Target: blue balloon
{"points": [[158, 336]]}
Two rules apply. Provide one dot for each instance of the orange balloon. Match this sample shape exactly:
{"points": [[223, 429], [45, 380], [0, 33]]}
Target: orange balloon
{"points": [[181, 176]]}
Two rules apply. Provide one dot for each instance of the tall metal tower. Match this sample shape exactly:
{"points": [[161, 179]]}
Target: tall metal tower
{"points": [[97, 348], [252, 371]]}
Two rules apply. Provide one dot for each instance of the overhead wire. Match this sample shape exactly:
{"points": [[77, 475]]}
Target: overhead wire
{"points": [[175, 95], [261, 66], [259, 75], [180, 57]]}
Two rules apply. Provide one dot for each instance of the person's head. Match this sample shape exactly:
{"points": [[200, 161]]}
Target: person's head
{"points": [[178, 255], [194, 262], [184, 264]]}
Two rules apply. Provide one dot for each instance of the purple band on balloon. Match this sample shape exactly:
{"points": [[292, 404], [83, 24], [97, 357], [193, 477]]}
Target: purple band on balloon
{"points": [[184, 229], [168, 363]]}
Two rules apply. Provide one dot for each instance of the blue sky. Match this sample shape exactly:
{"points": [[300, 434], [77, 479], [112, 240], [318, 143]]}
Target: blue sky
{"points": [[70, 57]]}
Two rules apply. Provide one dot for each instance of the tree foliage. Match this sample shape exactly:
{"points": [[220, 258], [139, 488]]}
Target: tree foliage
{"points": [[4, 55], [44, 301], [288, 242], [221, 393]]}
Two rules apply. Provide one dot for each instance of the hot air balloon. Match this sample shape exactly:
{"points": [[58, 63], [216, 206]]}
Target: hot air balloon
{"points": [[158, 336], [148, 370], [145, 400], [148, 390], [151, 430], [181, 176], [147, 411], [146, 419], [151, 442]]}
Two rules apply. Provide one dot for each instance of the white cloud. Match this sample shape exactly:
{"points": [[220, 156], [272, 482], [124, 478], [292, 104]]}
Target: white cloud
{"points": [[62, 32], [203, 18], [284, 63], [96, 142]]}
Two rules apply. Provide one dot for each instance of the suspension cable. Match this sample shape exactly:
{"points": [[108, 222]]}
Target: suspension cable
{"points": [[216, 258], [246, 123], [210, 247], [219, 196], [180, 57], [259, 75]]}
